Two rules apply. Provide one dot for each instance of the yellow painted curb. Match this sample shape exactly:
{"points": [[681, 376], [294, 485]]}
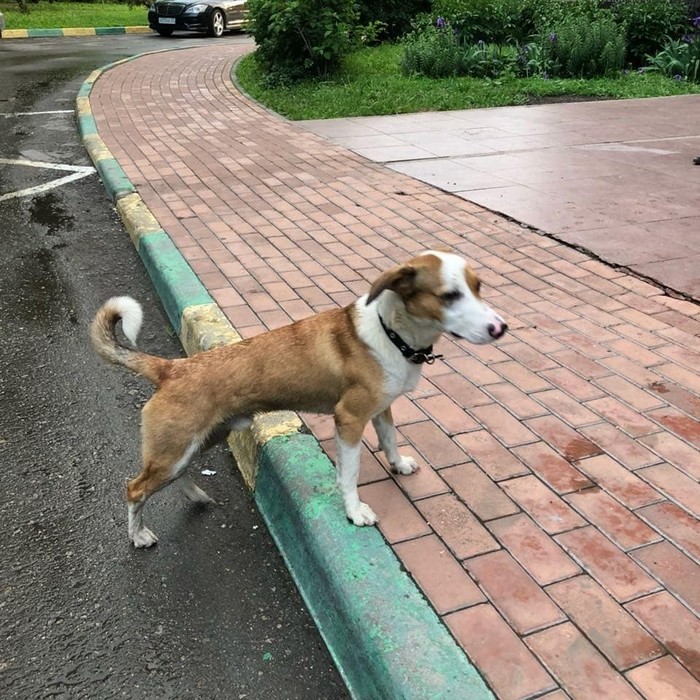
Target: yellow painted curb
{"points": [[246, 445], [137, 30], [15, 33], [79, 31], [136, 216]]}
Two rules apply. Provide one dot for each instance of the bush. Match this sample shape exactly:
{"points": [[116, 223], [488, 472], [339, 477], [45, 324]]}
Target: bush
{"points": [[395, 15], [680, 58], [497, 21], [433, 51], [649, 23], [436, 52], [301, 37], [584, 48]]}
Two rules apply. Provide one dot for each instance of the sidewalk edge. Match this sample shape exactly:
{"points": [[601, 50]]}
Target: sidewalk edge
{"points": [[385, 639], [72, 32]]}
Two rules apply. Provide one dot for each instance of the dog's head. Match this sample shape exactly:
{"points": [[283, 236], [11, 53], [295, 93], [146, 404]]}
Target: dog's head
{"points": [[441, 291]]}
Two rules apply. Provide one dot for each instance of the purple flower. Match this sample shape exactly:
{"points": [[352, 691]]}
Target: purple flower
{"points": [[688, 38], [545, 76], [441, 24], [481, 43], [677, 77], [552, 37], [696, 21]]}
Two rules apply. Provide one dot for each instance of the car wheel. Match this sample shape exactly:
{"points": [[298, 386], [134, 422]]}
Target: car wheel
{"points": [[216, 24], [165, 31]]}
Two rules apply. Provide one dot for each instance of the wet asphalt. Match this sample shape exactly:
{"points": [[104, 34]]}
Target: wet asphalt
{"points": [[211, 611]]}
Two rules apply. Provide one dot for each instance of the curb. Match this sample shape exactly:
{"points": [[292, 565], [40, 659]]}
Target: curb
{"points": [[384, 637], [74, 31]]}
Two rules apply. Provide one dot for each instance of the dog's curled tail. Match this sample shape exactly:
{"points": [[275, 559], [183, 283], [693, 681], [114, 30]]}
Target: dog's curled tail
{"points": [[106, 345]]}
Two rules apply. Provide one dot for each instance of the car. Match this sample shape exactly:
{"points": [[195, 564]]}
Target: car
{"points": [[211, 16]]}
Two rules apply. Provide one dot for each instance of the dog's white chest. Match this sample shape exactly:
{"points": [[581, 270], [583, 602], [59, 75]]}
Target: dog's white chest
{"points": [[400, 376]]}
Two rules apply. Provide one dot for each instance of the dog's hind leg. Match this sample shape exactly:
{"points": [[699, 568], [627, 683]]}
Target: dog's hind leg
{"points": [[192, 492], [159, 470]]}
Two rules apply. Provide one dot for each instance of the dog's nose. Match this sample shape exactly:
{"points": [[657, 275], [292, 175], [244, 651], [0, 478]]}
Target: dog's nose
{"points": [[497, 331]]}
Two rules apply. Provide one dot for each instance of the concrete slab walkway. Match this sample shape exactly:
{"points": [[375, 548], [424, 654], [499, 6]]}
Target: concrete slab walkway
{"points": [[615, 178], [554, 523]]}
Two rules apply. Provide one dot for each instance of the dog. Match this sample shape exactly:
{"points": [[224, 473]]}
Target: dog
{"points": [[350, 362]]}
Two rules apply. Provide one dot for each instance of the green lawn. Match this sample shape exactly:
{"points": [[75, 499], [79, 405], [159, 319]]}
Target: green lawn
{"points": [[62, 15], [370, 82]]}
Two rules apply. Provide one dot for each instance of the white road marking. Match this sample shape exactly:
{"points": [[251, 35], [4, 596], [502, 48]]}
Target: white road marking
{"points": [[32, 114], [78, 172]]}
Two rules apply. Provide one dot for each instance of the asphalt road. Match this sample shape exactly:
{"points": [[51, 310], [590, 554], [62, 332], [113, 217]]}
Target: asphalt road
{"points": [[211, 611]]}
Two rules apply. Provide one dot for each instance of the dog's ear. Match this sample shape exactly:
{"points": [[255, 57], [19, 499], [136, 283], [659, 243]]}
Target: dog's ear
{"points": [[400, 279]]}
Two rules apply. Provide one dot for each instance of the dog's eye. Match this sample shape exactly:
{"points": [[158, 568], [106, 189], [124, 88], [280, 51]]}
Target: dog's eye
{"points": [[451, 297]]}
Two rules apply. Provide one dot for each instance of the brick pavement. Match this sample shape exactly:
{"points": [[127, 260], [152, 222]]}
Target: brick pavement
{"points": [[553, 524]]}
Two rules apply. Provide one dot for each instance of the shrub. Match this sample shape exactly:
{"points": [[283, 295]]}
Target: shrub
{"points": [[395, 15], [649, 23], [680, 58], [299, 38], [495, 21], [433, 51], [436, 52], [584, 48]]}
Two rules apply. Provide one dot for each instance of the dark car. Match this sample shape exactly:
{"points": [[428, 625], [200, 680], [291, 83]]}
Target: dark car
{"points": [[211, 16]]}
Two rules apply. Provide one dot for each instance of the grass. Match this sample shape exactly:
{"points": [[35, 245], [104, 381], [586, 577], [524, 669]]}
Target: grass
{"points": [[370, 82], [62, 15]]}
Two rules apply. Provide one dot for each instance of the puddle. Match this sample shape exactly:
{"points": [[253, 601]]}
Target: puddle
{"points": [[48, 210]]}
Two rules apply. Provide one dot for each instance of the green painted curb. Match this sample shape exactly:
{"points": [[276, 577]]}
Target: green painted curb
{"points": [[43, 33], [116, 182], [385, 638], [175, 281], [105, 31]]}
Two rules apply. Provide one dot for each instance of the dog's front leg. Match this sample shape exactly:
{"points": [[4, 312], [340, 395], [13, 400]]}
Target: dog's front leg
{"points": [[386, 433], [348, 440]]}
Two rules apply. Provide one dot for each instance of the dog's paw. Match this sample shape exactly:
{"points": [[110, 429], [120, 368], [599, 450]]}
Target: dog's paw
{"points": [[405, 465], [194, 494], [362, 515], [144, 538]]}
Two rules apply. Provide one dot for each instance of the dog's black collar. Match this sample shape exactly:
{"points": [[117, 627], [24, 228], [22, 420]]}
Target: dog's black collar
{"points": [[418, 357]]}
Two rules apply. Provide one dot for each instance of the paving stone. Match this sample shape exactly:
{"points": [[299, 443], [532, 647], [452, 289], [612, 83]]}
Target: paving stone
{"points": [[568, 442], [673, 625], [445, 583], [478, 491], [675, 570], [664, 678], [509, 667], [675, 524], [554, 470], [535, 551], [675, 484], [544, 506], [619, 481], [581, 670], [610, 566], [490, 455], [398, 519], [519, 599], [621, 525], [611, 629], [459, 529]]}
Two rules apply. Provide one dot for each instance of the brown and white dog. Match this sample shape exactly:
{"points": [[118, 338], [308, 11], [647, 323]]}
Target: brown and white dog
{"points": [[351, 363]]}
